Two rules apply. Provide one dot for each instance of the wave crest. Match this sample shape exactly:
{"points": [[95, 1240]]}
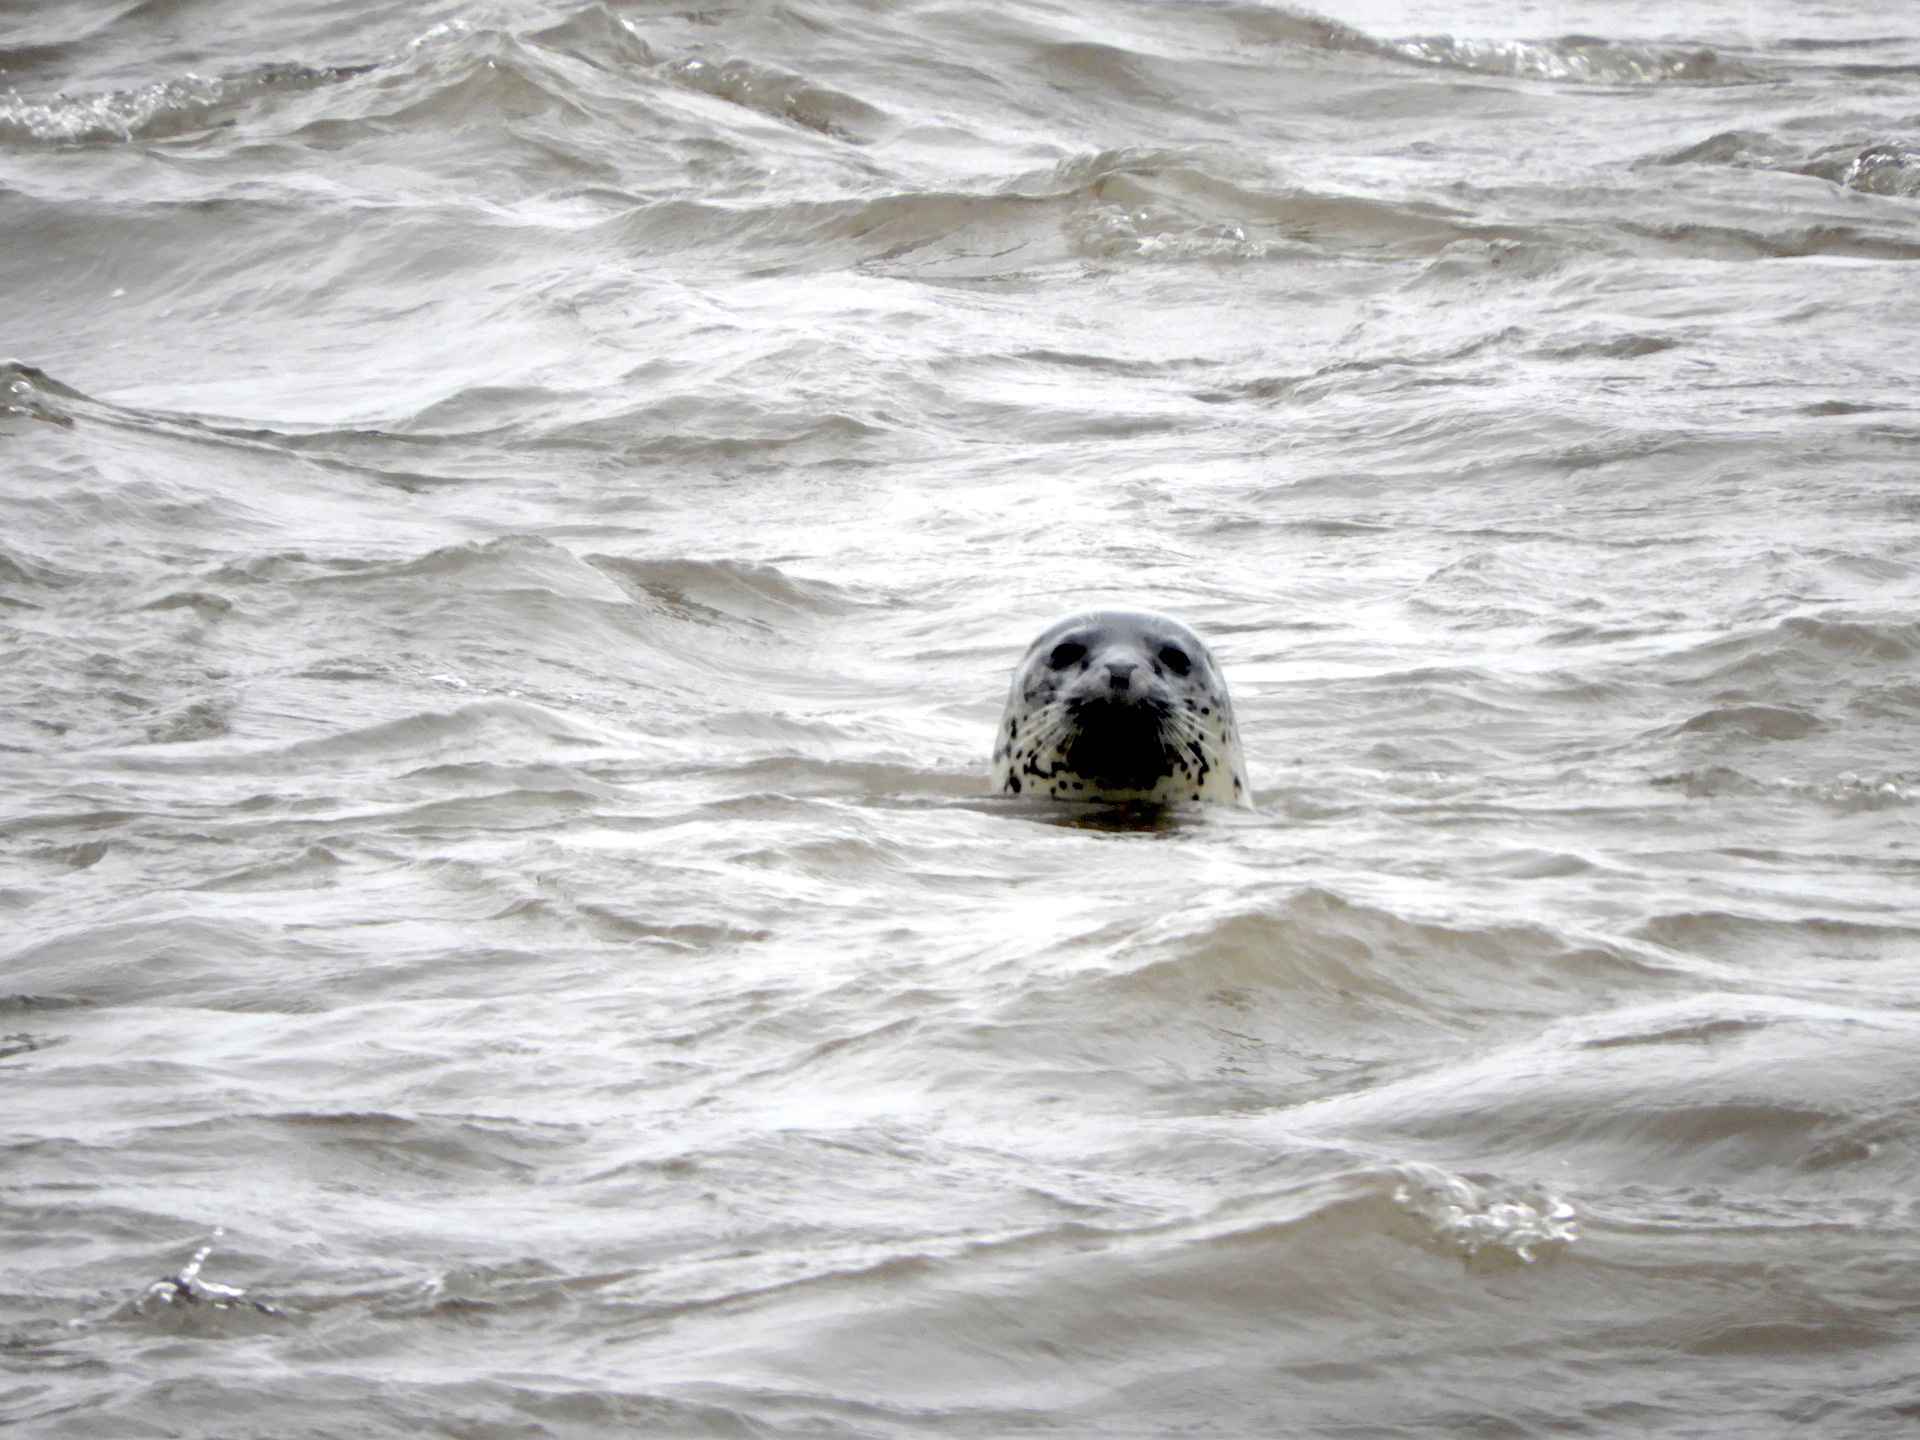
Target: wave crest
{"points": [[1871, 166], [1580, 59], [160, 110], [1479, 1221]]}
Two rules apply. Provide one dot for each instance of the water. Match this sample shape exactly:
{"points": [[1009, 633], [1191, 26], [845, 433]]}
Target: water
{"points": [[518, 521]]}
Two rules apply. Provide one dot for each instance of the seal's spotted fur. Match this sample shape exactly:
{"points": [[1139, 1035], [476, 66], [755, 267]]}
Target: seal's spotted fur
{"points": [[1120, 706]]}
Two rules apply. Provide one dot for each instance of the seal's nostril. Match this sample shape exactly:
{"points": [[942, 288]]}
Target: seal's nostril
{"points": [[1117, 675]]}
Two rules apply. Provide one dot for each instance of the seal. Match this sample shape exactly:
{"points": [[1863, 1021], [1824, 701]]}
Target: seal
{"points": [[1120, 707]]}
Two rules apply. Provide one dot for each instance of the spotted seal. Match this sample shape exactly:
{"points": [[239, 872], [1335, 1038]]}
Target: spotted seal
{"points": [[1120, 706]]}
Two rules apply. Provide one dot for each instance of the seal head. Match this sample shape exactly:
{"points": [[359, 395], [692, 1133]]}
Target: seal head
{"points": [[1120, 707]]}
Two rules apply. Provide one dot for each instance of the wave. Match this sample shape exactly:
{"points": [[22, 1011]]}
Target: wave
{"points": [[510, 565], [1873, 166], [1316, 943], [724, 591], [1718, 1090], [164, 109], [21, 573], [1578, 59], [433, 734], [167, 960], [1753, 722], [30, 393], [577, 92], [1780, 940], [35, 395], [778, 93], [1877, 168], [489, 727], [1175, 206], [1133, 204], [1488, 1223], [456, 437], [604, 39], [1850, 790], [630, 592], [1806, 650], [1250, 1003], [1479, 1220]]}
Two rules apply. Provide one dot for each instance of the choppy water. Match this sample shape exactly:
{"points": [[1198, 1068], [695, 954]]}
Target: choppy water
{"points": [[518, 518]]}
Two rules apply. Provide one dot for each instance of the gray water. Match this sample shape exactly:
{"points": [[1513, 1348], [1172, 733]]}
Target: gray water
{"points": [[518, 521]]}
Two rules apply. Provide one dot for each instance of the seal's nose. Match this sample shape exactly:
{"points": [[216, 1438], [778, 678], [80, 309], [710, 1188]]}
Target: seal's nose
{"points": [[1118, 673]]}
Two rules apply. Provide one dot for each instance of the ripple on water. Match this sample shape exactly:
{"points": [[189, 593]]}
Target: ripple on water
{"points": [[517, 527]]}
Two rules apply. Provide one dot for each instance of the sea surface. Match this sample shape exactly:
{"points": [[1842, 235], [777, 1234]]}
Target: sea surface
{"points": [[516, 521]]}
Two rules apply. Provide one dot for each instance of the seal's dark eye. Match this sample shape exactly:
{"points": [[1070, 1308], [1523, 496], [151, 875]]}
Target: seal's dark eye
{"points": [[1065, 654], [1175, 659]]}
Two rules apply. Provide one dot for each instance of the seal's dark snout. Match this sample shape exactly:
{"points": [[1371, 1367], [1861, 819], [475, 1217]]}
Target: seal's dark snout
{"points": [[1119, 673], [1118, 745]]}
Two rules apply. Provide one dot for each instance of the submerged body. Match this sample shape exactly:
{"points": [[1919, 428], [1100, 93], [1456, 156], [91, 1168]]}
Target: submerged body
{"points": [[1120, 707]]}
